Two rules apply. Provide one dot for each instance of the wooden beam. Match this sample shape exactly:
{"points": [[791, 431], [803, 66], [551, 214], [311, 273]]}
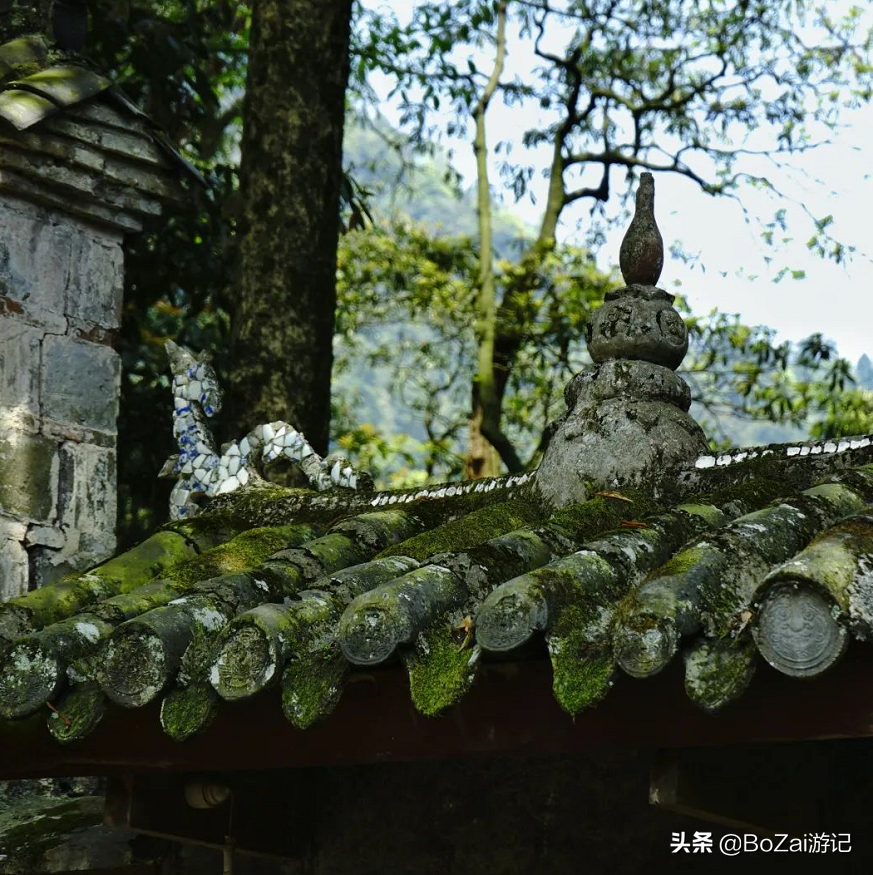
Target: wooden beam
{"points": [[265, 813], [763, 789], [510, 710]]}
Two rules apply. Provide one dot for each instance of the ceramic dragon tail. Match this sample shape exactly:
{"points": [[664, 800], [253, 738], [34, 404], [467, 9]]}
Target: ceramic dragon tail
{"points": [[202, 471]]}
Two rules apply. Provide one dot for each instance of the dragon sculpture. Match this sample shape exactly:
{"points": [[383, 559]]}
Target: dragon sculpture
{"points": [[202, 471]]}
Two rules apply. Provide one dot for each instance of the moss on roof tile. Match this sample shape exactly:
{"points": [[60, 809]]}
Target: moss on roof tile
{"points": [[468, 531]]}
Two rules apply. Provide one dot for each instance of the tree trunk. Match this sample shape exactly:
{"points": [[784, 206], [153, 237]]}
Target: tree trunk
{"points": [[290, 179], [482, 459], [481, 456]]}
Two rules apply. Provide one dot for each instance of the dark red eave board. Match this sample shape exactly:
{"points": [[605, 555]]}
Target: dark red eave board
{"points": [[510, 710]]}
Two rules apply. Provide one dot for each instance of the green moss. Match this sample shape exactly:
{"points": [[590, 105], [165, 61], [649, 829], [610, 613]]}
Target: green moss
{"points": [[78, 712], [750, 494], [581, 674], [582, 522], [188, 710], [72, 594], [683, 561], [379, 529], [711, 515], [146, 560], [312, 686], [207, 530], [139, 601], [755, 482], [779, 531], [718, 672], [245, 551], [441, 666], [468, 531], [563, 583], [199, 655], [63, 599], [278, 505], [335, 551]]}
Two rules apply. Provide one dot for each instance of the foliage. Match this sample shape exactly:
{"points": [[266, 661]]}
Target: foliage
{"points": [[407, 307], [670, 85], [738, 372], [680, 86], [404, 304], [672, 92], [407, 301], [183, 62]]}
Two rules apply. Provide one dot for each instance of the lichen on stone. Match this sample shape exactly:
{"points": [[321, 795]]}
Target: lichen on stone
{"points": [[718, 671]]}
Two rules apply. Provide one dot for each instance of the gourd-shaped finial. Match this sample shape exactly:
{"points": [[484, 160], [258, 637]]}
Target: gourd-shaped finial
{"points": [[642, 251]]}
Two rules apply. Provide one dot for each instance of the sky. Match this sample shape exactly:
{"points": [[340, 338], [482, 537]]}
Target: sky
{"points": [[834, 179]]}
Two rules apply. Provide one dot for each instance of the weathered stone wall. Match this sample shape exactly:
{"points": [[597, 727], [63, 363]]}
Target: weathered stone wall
{"points": [[61, 284], [79, 168]]}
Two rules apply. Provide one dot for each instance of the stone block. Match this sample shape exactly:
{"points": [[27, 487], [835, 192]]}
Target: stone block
{"points": [[47, 565], [84, 535], [51, 262], [28, 476], [45, 536], [87, 500], [14, 568], [80, 383], [35, 254], [13, 559], [96, 280], [19, 372]]}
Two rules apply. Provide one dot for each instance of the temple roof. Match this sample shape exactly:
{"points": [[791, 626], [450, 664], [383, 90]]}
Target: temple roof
{"points": [[629, 549], [289, 594], [95, 142]]}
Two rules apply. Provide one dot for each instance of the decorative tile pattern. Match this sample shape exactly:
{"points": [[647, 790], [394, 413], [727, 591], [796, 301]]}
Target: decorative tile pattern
{"points": [[807, 448]]}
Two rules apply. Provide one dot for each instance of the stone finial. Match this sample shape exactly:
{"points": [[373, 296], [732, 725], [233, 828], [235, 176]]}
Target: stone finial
{"points": [[627, 419], [641, 257], [638, 322]]}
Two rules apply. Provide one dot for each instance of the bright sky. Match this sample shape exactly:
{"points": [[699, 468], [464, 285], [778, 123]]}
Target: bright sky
{"points": [[831, 180]]}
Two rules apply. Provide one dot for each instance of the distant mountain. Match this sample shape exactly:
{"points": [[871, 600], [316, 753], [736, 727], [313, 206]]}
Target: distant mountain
{"points": [[421, 186], [864, 372]]}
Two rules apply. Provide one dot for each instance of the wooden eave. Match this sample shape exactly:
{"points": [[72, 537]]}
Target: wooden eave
{"points": [[510, 711]]}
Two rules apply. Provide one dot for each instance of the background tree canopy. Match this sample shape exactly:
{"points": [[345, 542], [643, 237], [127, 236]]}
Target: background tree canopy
{"points": [[457, 325]]}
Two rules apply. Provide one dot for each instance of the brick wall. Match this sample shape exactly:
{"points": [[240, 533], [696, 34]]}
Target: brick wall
{"points": [[61, 283], [61, 288]]}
